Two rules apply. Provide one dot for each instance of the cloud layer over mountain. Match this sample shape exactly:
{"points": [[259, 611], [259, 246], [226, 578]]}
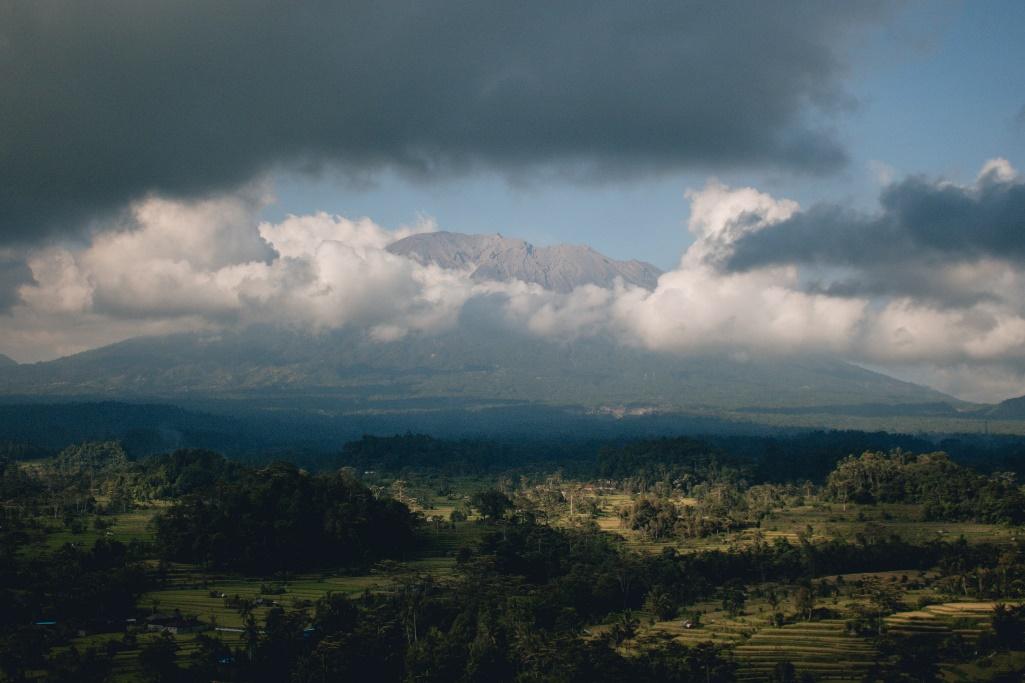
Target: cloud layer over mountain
{"points": [[763, 276], [107, 102]]}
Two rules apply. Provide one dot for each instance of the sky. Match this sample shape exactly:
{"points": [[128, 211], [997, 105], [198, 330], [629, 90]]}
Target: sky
{"points": [[836, 177]]}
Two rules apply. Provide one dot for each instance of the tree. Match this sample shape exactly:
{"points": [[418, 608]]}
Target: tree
{"points": [[1008, 624], [783, 672], [208, 657], [624, 628], [804, 601], [734, 598], [71, 666], [20, 650], [492, 504], [157, 659], [660, 603]]}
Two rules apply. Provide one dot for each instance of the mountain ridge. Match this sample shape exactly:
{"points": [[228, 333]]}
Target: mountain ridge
{"points": [[475, 363], [560, 268], [1009, 409]]}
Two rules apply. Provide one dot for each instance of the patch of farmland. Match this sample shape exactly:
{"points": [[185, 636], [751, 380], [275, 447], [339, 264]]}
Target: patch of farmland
{"points": [[821, 648], [967, 619]]}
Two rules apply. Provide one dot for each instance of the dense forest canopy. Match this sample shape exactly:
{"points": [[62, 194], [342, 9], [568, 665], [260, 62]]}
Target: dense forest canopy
{"points": [[948, 490], [280, 517]]}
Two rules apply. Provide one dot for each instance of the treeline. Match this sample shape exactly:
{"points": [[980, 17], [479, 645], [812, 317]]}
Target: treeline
{"points": [[45, 599], [281, 518], [680, 463], [224, 514], [41, 430], [422, 453], [947, 490], [67, 486], [807, 456]]}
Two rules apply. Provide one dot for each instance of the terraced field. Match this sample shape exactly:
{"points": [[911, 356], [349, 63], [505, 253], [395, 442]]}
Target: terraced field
{"points": [[126, 661], [821, 648], [968, 619], [720, 636], [197, 593], [191, 591]]}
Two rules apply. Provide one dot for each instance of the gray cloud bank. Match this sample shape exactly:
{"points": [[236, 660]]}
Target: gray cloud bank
{"points": [[106, 102], [927, 240], [929, 222]]}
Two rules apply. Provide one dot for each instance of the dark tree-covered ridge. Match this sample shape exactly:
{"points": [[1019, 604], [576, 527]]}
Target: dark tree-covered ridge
{"points": [[281, 517]]}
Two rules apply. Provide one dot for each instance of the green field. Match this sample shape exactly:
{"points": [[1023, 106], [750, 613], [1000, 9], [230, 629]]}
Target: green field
{"points": [[127, 527]]}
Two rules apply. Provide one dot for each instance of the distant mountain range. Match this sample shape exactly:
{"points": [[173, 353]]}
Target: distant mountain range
{"points": [[6, 361], [494, 257], [482, 364]]}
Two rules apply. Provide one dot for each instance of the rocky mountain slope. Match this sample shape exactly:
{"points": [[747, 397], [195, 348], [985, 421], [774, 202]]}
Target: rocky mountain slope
{"points": [[494, 257]]}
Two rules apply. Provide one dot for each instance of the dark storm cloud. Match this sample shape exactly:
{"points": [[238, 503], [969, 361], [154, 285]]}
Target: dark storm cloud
{"points": [[920, 223], [13, 274], [106, 101], [921, 282]]}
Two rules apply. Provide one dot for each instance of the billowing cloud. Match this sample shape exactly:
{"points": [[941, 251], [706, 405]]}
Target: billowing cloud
{"points": [[108, 102], [923, 221], [210, 263]]}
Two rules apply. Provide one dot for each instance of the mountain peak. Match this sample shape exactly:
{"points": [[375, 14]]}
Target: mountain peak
{"points": [[7, 361], [495, 257]]}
